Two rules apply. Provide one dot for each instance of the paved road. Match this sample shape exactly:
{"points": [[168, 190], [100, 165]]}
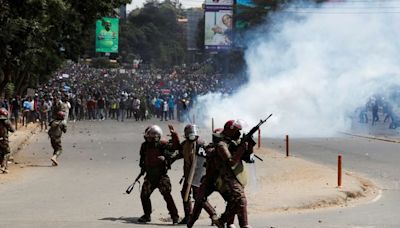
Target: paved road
{"points": [[376, 160], [86, 190], [100, 161]]}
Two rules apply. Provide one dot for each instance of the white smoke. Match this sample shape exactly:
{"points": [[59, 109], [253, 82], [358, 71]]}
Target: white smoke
{"points": [[313, 69]]}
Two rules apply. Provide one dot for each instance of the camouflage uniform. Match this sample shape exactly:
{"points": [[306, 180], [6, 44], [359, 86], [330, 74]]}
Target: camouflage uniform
{"points": [[153, 160], [190, 155], [210, 183], [57, 127], [5, 127], [233, 175], [55, 108]]}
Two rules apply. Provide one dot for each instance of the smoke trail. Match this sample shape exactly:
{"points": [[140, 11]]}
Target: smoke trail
{"points": [[312, 70]]}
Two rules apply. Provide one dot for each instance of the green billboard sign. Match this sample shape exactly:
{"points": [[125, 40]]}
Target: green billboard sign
{"points": [[107, 35]]}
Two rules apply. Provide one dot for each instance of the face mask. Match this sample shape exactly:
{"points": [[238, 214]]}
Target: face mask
{"points": [[192, 137], [236, 136], [151, 139]]}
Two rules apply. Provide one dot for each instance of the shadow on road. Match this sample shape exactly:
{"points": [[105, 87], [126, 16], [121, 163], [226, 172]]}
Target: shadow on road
{"points": [[133, 220], [34, 165]]}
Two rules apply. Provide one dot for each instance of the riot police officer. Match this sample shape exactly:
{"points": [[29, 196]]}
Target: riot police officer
{"points": [[192, 150], [231, 152], [154, 162], [5, 127]]}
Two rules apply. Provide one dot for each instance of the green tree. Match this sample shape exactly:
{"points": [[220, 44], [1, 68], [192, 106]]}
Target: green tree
{"points": [[153, 34], [37, 35]]}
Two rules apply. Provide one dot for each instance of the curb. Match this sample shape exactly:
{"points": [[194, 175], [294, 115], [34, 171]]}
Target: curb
{"points": [[20, 138], [372, 137], [328, 196]]}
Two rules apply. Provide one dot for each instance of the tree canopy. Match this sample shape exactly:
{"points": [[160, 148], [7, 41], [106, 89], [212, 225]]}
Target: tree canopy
{"points": [[37, 35], [154, 34]]}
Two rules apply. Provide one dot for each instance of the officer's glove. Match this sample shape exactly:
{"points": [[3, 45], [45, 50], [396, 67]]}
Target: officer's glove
{"points": [[249, 158], [252, 158], [161, 158]]}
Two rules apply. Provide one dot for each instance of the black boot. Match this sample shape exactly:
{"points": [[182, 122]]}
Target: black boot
{"points": [[175, 220], [184, 220], [144, 219]]}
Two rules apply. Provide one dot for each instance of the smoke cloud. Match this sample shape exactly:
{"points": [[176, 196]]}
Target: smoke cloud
{"points": [[312, 68]]}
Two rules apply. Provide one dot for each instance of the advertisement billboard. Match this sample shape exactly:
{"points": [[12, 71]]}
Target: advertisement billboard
{"points": [[219, 2], [247, 3], [244, 13], [218, 29], [107, 35], [218, 32]]}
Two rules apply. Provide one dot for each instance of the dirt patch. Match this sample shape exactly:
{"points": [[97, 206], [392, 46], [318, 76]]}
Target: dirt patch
{"points": [[286, 184], [18, 141]]}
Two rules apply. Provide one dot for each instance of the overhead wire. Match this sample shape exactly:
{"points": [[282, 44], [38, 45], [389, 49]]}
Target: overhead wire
{"points": [[346, 8], [349, 13]]}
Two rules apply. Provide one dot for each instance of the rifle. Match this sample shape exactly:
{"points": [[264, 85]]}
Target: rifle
{"points": [[249, 136], [130, 188]]}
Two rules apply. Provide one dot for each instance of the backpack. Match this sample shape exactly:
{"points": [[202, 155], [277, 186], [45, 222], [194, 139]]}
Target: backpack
{"points": [[55, 129]]}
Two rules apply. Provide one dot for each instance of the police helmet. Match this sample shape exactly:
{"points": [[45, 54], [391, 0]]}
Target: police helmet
{"points": [[191, 132], [153, 132]]}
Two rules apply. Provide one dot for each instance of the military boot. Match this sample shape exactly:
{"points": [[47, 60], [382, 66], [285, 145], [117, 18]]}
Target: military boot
{"points": [[215, 221], [189, 223], [54, 160], [175, 220], [3, 168], [184, 220], [144, 219], [187, 207]]}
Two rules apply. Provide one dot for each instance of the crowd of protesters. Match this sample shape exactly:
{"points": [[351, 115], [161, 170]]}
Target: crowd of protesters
{"points": [[380, 109], [88, 93]]}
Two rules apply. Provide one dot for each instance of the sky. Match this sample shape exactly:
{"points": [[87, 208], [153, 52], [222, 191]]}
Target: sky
{"points": [[186, 4]]}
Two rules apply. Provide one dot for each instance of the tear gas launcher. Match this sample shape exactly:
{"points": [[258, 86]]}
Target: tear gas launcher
{"points": [[130, 188], [249, 136]]}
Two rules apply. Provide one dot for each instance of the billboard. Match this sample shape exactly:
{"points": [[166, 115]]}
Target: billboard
{"points": [[219, 2], [247, 3], [243, 13], [218, 29], [218, 33], [107, 35]]}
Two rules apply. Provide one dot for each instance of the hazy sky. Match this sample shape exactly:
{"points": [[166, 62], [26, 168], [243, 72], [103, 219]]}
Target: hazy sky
{"points": [[185, 3], [312, 70]]}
